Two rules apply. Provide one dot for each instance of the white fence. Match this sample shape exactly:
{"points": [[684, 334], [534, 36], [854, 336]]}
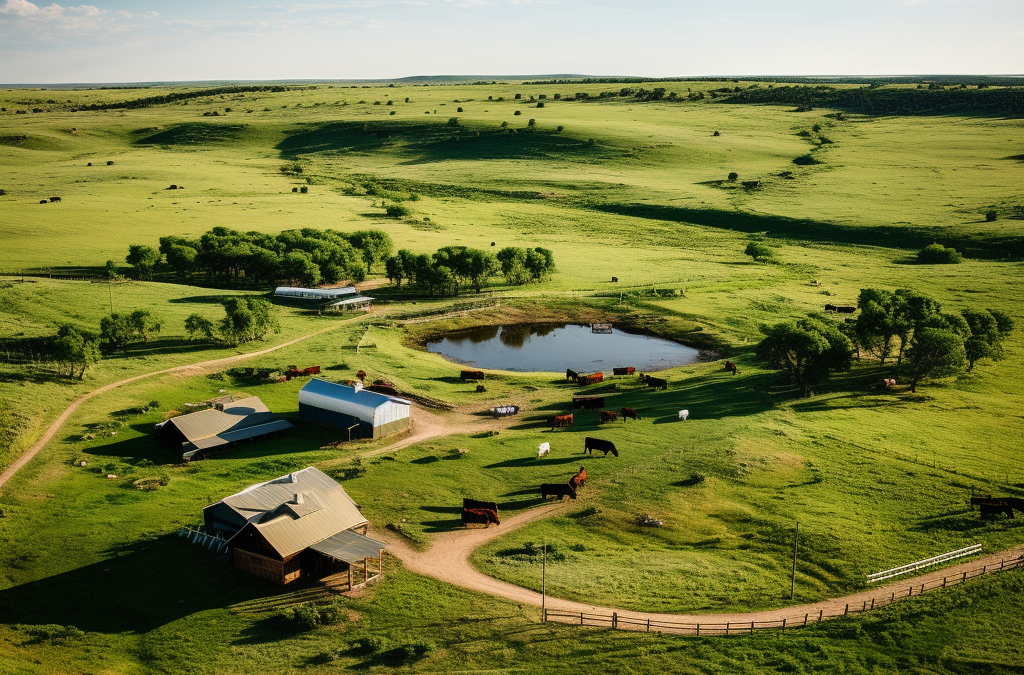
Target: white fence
{"points": [[927, 562], [206, 541]]}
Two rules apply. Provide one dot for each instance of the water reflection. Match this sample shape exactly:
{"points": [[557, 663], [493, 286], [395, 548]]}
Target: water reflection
{"points": [[554, 347]]}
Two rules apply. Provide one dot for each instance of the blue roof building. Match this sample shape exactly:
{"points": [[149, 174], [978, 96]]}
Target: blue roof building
{"points": [[365, 414]]}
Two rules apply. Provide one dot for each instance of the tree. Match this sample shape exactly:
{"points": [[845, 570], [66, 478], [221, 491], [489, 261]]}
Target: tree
{"points": [[480, 265], [513, 265], [375, 245], [540, 262], [298, 267], [143, 324], [808, 350], [111, 270], [986, 334], [199, 327], [760, 252], [733, 176], [935, 352], [396, 211], [247, 319], [143, 259], [76, 349], [116, 331]]}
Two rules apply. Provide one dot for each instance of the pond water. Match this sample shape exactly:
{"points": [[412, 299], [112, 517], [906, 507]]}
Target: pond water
{"points": [[554, 347]]}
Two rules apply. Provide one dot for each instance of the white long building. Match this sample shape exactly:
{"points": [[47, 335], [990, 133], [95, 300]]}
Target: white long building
{"points": [[375, 415]]}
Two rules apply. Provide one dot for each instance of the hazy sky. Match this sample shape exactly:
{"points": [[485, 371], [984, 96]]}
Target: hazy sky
{"points": [[124, 41]]}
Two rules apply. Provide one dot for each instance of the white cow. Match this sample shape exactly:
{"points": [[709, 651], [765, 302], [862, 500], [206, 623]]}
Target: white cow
{"points": [[543, 450], [683, 414]]}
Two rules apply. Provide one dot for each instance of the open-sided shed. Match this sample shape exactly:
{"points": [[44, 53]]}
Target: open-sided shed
{"points": [[372, 414], [218, 428]]}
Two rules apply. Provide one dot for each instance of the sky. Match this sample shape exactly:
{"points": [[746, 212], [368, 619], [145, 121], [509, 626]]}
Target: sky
{"points": [[186, 40]]}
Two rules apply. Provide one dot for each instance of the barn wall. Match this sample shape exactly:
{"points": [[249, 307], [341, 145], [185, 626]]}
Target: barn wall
{"points": [[391, 427], [260, 566]]}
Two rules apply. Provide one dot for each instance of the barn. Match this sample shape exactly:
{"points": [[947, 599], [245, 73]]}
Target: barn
{"points": [[300, 525], [366, 414], [220, 427], [344, 298]]}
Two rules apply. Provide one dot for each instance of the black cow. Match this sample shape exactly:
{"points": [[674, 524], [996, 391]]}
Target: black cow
{"points": [[990, 506], [54, 199], [560, 490], [571, 374], [657, 383], [477, 504], [830, 308], [588, 402], [846, 309], [591, 444]]}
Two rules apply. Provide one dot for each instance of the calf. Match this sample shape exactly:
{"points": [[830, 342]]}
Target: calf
{"points": [[543, 450], [361, 375], [591, 444], [730, 367], [579, 479], [559, 490], [683, 415], [560, 421], [607, 416], [629, 413]]}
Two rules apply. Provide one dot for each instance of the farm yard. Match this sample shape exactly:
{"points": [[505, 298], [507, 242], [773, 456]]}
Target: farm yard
{"points": [[690, 515]]}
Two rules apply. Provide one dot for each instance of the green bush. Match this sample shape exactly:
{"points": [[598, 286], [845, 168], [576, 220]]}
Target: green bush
{"points": [[760, 252], [805, 160], [396, 210], [937, 254], [990, 216], [310, 615], [51, 632]]}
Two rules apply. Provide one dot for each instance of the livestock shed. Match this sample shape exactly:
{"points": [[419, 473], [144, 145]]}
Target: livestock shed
{"points": [[375, 415], [312, 297], [219, 428], [300, 525]]}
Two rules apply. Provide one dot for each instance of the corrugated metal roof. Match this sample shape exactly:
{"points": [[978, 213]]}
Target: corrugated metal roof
{"points": [[351, 400], [292, 527], [313, 293], [237, 415], [351, 547], [351, 301]]}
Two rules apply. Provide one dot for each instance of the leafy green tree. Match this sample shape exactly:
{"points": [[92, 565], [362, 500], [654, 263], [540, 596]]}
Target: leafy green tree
{"points": [[396, 211], [74, 348], [986, 334], [111, 270], [247, 319], [937, 254], [479, 266], [513, 265], [144, 324], [199, 327], [376, 246], [298, 267], [760, 252], [808, 350], [117, 331], [144, 259], [934, 353]]}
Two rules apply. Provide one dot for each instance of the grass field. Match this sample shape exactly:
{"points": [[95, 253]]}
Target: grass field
{"points": [[875, 479]]}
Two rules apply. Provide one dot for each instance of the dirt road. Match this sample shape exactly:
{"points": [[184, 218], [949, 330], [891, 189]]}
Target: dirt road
{"points": [[448, 560]]}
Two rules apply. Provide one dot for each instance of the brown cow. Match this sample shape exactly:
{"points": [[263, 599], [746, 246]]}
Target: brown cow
{"points": [[607, 416], [730, 367], [579, 479], [471, 375], [560, 421], [630, 413]]}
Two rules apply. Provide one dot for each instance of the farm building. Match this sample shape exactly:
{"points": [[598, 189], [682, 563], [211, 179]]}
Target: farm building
{"points": [[300, 525], [345, 298], [219, 428], [366, 413]]}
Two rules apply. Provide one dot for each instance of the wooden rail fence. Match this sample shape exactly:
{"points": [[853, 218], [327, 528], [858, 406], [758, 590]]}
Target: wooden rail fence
{"points": [[619, 621], [920, 564]]}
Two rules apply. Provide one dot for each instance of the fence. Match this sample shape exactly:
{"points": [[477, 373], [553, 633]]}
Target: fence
{"points": [[205, 540], [927, 562], [453, 312], [618, 621]]}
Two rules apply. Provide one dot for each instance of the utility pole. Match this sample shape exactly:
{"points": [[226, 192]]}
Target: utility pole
{"points": [[110, 294], [543, 583], [796, 541]]}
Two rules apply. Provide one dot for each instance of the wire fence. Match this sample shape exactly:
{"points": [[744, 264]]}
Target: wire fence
{"points": [[619, 621]]}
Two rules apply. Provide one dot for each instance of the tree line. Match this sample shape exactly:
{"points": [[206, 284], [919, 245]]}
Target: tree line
{"points": [[72, 350], [904, 325], [176, 96], [452, 268], [306, 257], [873, 100]]}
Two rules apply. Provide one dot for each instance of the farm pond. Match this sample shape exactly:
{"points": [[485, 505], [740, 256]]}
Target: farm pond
{"points": [[553, 347]]}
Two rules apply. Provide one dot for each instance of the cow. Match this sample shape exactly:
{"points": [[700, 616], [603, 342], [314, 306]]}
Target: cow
{"points": [[571, 374], [991, 506], [615, 280], [312, 370], [361, 375], [623, 371], [560, 490], [606, 416], [479, 517], [505, 410], [830, 308], [480, 388], [43, 201], [579, 479], [54, 199], [543, 450], [584, 380], [468, 503], [559, 421], [630, 413], [591, 444], [731, 367], [588, 402], [846, 309], [657, 383], [684, 415], [888, 382], [471, 375]]}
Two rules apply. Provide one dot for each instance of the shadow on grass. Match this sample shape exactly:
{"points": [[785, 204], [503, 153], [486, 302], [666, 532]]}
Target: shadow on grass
{"points": [[532, 461], [163, 346], [137, 589], [435, 526], [712, 396], [441, 509]]}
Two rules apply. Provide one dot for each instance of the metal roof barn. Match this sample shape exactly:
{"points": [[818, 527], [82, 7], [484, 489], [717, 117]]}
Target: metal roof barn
{"points": [[373, 415], [200, 432], [313, 293]]}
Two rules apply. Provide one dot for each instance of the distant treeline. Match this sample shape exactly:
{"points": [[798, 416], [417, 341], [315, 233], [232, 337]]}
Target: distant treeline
{"points": [[174, 97], [306, 257], [941, 80], [890, 101]]}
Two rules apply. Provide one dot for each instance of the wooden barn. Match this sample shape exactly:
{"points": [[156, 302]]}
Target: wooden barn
{"points": [[220, 427], [365, 414], [302, 525]]}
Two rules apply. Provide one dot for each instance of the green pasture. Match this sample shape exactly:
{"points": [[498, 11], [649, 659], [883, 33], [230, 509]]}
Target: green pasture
{"points": [[874, 478]]}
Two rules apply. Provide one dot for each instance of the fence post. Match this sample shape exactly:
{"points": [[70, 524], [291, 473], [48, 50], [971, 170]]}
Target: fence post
{"points": [[783, 625], [864, 606], [943, 582], [545, 615], [984, 569], [751, 627], [581, 618], [893, 598], [726, 627], [922, 589], [821, 613], [965, 578], [847, 610], [698, 630], [648, 624], [872, 603], [615, 620]]}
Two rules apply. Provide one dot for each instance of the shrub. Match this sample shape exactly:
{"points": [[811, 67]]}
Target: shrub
{"points": [[760, 252], [518, 112], [733, 176], [937, 254], [303, 189], [540, 104], [110, 162], [396, 211], [459, 109], [454, 121], [51, 632], [559, 128], [308, 616], [532, 123], [990, 216], [518, 96]]}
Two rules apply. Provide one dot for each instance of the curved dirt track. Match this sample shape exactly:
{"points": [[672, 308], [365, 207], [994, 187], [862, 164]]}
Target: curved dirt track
{"points": [[196, 367], [448, 560]]}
